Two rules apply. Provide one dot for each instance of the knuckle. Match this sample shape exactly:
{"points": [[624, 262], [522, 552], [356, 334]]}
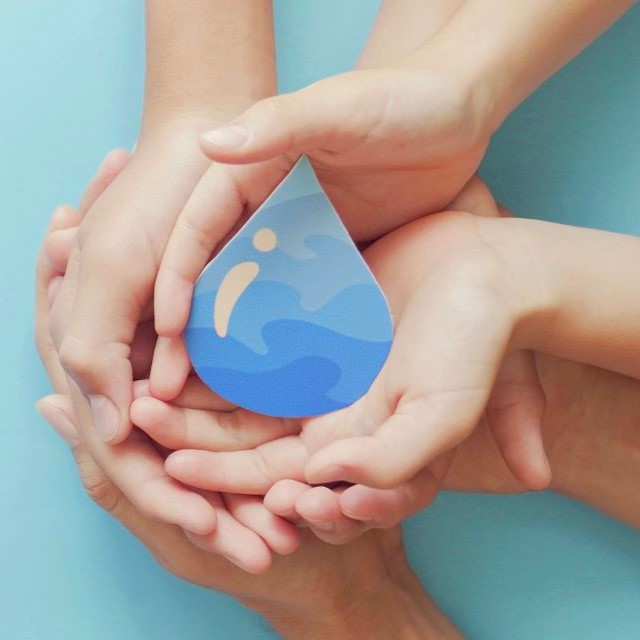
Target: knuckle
{"points": [[275, 108], [200, 235], [262, 468], [100, 489], [76, 356]]}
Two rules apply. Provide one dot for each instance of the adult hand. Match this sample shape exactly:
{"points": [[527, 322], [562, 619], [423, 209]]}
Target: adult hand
{"points": [[358, 590]]}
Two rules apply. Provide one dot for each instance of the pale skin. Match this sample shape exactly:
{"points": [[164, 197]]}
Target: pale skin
{"points": [[403, 135], [207, 61], [488, 287], [94, 325], [366, 587], [243, 530], [341, 605]]}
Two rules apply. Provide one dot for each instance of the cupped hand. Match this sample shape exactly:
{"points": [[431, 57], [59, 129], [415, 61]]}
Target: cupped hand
{"points": [[238, 527], [389, 145], [514, 408]]}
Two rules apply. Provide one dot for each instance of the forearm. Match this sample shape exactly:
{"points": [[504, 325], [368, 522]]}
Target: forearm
{"points": [[506, 49], [207, 55], [583, 293], [404, 26]]}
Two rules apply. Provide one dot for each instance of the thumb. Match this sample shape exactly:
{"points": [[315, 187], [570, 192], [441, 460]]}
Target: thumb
{"points": [[332, 114]]}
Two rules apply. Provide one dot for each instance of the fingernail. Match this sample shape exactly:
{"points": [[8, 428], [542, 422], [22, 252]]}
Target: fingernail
{"points": [[355, 516], [323, 525], [53, 288], [237, 563], [60, 422], [230, 137], [105, 417]]}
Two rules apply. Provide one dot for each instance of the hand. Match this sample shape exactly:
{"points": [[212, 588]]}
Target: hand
{"points": [[354, 591], [236, 526], [112, 267], [474, 280], [514, 424], [397, 142]]}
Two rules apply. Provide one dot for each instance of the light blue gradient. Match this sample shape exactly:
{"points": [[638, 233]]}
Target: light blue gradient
{"points": [[519, 568]]}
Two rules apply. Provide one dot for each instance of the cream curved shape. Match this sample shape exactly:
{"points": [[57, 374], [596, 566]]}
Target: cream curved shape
{"points": [[231, 288]]}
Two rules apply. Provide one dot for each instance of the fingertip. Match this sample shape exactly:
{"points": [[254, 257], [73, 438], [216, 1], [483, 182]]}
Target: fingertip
{"points": [[141, 389], [57, 247], [63, 216], [281, 497], [283, 538], [142, 410], [318, 504], [228, 141], [180, 464], [355, 502], [537, 476], [54, 410], [116, 159], [202, 523]]}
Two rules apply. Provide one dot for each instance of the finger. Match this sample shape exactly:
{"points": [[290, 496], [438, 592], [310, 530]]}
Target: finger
{"points": [[223, 195], [514, 415], [476, 198], [112, 165], [252, 472], [231, 539], [196, 395], [281, 499], [57, 411], [300, 121], [179, 428], [97, 334], [137, 469], [435, 389], [281, 536], [170, 369], [320, 508], [47, 289], [385, 508], [58, 247], [90, 349]]}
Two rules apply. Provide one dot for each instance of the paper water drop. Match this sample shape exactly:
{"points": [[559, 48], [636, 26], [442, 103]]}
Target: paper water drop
{"points": [[287, 320]]}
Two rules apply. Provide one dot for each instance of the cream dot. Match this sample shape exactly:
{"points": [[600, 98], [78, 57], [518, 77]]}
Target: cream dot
{"points": [[265, 239]]}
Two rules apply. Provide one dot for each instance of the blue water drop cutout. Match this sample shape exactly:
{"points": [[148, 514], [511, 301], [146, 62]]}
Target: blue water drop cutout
{"points": [[288, 320]]}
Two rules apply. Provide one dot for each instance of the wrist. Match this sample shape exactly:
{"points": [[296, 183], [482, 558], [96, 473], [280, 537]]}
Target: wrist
{"points": [[397, 607], [477, 93], [169, 120]]}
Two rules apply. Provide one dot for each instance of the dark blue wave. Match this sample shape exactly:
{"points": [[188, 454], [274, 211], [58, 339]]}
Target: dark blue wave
{"points": [[305, 366], [296, 390]]}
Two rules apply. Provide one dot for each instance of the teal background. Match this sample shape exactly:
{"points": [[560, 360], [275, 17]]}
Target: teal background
{"points": [[514, 568]]}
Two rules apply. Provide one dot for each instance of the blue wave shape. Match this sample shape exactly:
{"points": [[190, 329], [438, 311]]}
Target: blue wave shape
{"points": [[359, 312], [307, 369]]}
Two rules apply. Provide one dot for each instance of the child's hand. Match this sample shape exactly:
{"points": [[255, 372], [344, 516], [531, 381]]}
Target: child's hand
{"points": [[400, 261], [388, 145], [470, 290], [236, 526], [514, 419]]}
